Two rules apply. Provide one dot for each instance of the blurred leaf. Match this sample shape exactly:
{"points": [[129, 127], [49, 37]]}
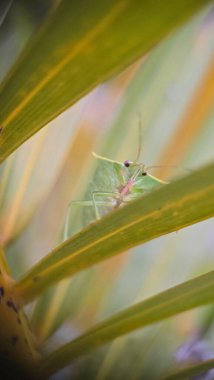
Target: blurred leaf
{"points": [[21, 21], [63, 63], [4, 9], [200, 107], [28, 176], [162, 88], [193, 293], [170, 208], [194, 369]]}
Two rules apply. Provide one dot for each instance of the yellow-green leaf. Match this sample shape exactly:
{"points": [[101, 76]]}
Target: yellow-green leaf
{"points": [[196, 292], [170, 208], [81, 44]]}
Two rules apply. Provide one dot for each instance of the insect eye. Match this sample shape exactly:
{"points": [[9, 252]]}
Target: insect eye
{"points": [[144, 173], [126, 163]]}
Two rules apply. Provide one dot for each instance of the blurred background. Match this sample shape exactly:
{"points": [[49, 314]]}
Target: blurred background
{"points": [[172, 89]]}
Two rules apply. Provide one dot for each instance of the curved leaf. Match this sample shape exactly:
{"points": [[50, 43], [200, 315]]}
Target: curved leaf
{"points": [[170, 208], [194, 369], [193, 293], [81, 44]]}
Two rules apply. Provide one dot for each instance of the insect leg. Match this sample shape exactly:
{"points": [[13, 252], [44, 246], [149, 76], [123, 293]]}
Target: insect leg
{"points": [[90, 203], [104, 194], [68, 213]]}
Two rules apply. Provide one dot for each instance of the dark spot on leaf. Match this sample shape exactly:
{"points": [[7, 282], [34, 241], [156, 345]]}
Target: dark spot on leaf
{"points": [[14, 340], [19, 321], [13, 306], [36, 278], [1, 291], [144, 173]]}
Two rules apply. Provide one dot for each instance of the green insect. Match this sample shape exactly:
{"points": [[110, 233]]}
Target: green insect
{"points": [[114, 184]]}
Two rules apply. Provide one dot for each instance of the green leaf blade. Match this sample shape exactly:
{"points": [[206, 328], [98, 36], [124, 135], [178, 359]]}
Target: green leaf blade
{"points": [[63, 63], [194, 369], [188, 295], [167, 209]]}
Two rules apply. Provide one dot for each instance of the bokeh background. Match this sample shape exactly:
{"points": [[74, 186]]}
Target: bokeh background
{"points": [[172, 89]]}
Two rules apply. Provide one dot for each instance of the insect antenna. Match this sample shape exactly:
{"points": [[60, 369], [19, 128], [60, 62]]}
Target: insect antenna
{"points": [[140, 135], [136, 163]]}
